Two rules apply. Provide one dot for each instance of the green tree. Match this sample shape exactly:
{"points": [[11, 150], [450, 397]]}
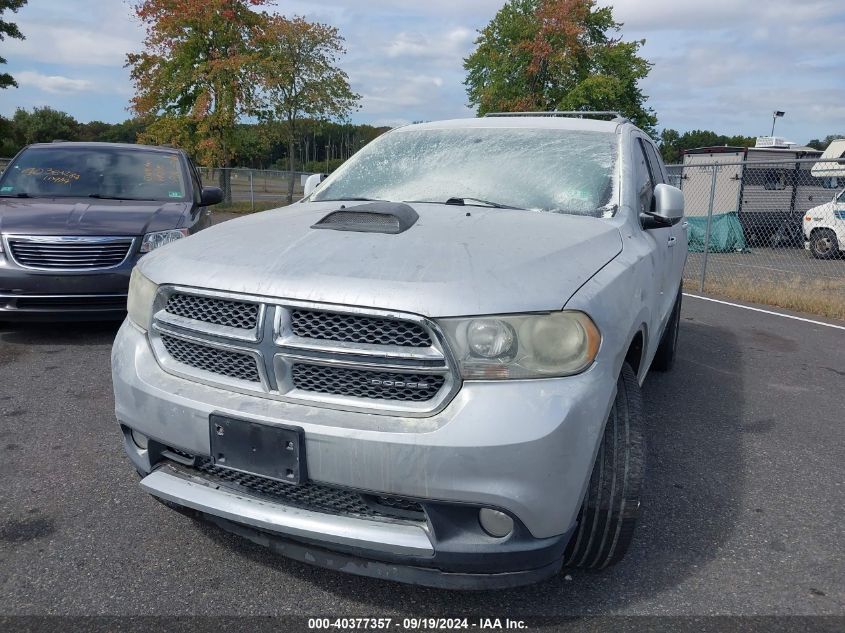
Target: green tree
{"points": [[557, 55], [43, 125], [300, 77], [9, 29], [673, 144], [822, 145], [194, 79]]}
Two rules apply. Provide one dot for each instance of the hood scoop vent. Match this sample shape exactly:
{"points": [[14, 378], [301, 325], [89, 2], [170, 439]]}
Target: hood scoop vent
{"points": [[374, 217]]}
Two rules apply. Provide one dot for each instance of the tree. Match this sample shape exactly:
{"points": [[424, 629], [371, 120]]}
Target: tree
{"points": [[9, 29], [194, 79], [673, 144], [43, 125], [300, 78], [822, 145], [557, 55]]}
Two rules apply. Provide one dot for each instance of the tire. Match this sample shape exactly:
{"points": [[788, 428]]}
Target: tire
{"points": [[664, 358], [823, 244], [611, 505]]}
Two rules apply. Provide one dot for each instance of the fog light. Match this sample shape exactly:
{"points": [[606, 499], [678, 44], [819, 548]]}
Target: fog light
{"points": [[140, 439], [495, 523]]}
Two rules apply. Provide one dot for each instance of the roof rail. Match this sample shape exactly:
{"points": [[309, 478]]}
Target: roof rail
{"points": [[573, 113]]}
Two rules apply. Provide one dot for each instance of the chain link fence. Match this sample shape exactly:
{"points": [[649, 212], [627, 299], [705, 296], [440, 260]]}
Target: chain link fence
{"points": [[765, 230], [261, 188]]}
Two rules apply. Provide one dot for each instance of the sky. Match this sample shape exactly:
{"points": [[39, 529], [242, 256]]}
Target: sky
{"points": [[721, 65]]}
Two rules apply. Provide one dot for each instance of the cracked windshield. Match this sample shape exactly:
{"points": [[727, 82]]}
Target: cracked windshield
{"points": [[561, 171]]}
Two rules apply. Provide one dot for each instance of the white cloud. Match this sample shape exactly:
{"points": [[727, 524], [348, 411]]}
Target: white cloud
{"points": [[454, 44], [71, 45], [55, 84]]}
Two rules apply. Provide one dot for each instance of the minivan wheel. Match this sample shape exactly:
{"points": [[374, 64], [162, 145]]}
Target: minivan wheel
{"points": [[611, 505], [823, 244], [664, 358]]}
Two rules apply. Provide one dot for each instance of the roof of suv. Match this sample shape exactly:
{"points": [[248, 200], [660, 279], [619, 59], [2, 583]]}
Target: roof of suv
{"points": [[527, 122], [95, 145]]}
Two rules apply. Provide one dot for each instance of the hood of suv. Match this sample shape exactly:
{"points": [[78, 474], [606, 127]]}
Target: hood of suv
{"points": [[51, 216], [453, 261]]}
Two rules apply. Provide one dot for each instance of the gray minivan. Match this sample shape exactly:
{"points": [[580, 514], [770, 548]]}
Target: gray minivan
{"points": [[75, 218]]}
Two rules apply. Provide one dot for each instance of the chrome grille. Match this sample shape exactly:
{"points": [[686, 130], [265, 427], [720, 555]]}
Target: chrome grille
{"points": [[353, 359], [366, 384], [236, 314], [309, 495], [217, 361], [348, 328], [69, 253]]}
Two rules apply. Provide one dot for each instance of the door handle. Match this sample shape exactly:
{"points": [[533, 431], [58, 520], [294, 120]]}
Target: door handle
{"points": [[672, 241]]}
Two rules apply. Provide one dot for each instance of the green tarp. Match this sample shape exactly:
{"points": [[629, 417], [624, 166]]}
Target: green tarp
{"points": [[726, 234]]}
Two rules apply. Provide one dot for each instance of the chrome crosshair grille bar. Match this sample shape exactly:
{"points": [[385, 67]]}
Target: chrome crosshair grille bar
{"points": [[334, 356]]}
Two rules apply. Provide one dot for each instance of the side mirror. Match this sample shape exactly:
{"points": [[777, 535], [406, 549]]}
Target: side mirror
{"points": [[210, 196], [668, 205], [311, 183]]}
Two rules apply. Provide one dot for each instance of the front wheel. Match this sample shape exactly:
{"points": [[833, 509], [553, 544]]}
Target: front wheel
{"points": [[823, 244], [611, 506]]}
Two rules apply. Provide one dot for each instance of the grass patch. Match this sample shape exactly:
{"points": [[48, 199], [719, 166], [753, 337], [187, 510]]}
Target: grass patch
{"points": [[825, 297]]}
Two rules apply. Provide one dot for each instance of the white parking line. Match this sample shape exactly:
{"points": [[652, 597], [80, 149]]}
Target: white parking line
{"points": [[780, 314]]}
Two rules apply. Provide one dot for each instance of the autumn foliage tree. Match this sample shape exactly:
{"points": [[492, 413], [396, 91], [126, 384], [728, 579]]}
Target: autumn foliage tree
{"points": [[195, 76], [300, 77], [541, 55]]}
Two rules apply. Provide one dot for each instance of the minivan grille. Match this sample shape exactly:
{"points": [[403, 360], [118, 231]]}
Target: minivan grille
{"points": [[69, 253], [237, 314], [211, 359], [366, 384], [348, 328]]}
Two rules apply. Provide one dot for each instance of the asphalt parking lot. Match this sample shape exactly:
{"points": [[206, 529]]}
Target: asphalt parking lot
{"points": [[742, 510]]}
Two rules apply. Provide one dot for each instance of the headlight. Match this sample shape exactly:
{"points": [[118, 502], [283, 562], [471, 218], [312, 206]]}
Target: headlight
{"points": [[524, 346], [158, 239], [142, 292]]}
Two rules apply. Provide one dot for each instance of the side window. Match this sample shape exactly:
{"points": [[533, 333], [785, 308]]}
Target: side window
{"points": [[195, 179], [657, 173], [643, 178]]}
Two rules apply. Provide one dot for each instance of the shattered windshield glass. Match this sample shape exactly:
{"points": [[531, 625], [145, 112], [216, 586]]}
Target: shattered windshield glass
{"points": [[561, 171]]}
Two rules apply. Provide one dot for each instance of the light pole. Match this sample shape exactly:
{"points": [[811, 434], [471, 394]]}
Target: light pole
{"points": [[775, 115]]}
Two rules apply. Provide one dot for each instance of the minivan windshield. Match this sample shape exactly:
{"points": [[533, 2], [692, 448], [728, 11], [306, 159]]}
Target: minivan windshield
{"points": [[112, 173], [561, 171]]}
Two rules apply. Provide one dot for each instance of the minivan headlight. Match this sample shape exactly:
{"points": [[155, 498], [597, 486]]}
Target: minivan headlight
{"points": [[139, 305], [158, 239], [523, 346]]}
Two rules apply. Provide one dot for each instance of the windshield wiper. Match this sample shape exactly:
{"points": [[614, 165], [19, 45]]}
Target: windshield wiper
{"points": [[17, 195], [468, 201], [99, 197], [350, 200]]}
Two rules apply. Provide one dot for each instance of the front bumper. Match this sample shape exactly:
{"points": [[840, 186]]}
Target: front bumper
{"points": [[523, 447], [29, 295]]}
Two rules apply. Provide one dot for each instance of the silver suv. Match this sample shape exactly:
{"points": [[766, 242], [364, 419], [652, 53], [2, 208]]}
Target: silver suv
{"points": [[427, 370]]}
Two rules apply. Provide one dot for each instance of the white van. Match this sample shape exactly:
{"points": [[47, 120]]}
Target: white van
{"points": [[824, 225]]}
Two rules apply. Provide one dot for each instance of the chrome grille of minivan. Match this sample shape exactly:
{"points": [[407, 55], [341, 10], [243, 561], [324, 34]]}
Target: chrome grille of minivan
{"points": [[68, 253], [347, 358]]}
